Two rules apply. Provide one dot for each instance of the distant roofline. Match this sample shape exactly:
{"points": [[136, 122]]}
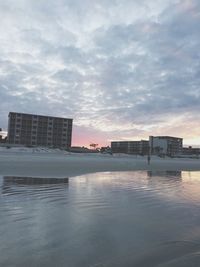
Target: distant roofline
{"points": [[130, 141], [165, 136], [12, 112]]}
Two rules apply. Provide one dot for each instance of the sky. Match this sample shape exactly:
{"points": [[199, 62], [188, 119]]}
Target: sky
{"points": [[122, 69]]}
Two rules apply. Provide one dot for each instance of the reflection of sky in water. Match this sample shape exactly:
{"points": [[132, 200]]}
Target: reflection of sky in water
{"points": [[117, 219], [182, 186]]}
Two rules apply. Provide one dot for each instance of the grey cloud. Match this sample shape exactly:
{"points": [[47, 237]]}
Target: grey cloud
{"points": [[160, 47], [137, 70]]}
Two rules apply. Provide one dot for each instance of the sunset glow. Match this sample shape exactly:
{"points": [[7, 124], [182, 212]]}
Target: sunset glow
{"points": [[121, 71]]}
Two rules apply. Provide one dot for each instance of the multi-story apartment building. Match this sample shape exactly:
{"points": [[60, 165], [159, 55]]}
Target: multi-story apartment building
{"points": [[191, 150], [166, 145], [130, 147], [38, 130]]}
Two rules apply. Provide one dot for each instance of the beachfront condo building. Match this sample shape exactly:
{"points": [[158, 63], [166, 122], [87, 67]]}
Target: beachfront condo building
{"points": [[191, 151], [38, 130], [166, 145], [130, 147]]}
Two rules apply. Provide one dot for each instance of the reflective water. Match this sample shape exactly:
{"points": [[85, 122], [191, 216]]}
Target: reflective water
{"points": [[106, 219]]}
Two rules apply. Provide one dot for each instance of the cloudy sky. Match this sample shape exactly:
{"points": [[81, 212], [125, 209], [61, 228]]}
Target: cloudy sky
{"points": [[122, 69]]}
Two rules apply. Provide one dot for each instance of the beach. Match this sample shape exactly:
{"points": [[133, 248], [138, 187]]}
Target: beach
{"points": [[117, 211], [55, 163]]}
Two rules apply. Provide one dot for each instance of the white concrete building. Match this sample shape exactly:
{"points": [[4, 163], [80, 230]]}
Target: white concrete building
{"points": [[165, 145]]}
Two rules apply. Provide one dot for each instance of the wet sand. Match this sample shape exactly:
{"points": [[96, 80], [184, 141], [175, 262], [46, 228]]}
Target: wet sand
{"points": [[69, 165]]}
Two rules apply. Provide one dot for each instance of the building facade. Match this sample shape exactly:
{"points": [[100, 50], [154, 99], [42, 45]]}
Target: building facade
{"points": [[130, 147], [191, 151], [166, 145], [38, 130]]}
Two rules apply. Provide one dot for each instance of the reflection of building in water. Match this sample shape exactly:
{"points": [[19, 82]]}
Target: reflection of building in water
{"points": [[164, 179], [19, 185], [165, 145], [34, 180], [173, 174], [21, 188]]}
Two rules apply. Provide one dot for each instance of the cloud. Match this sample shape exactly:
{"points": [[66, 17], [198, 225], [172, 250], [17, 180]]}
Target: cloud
{"points": [[121, 69]]}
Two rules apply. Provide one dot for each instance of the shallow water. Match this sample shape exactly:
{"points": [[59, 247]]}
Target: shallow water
{"points": [[105, 219]]}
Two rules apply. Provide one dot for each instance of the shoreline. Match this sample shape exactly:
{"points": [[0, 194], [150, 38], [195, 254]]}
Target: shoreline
{"points": [[69, 165]]}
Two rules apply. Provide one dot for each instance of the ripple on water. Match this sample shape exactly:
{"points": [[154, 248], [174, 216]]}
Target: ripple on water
{"points": [[104, 219]]}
